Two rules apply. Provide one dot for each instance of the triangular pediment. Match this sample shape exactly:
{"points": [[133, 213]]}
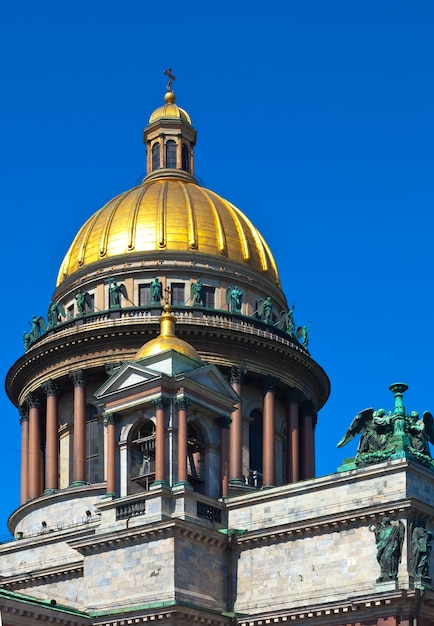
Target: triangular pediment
{"points": [[128, 376], [209, 377]]}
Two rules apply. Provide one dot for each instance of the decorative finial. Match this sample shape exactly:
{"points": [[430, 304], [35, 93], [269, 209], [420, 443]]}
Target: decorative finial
{"points": [[171, 78]]}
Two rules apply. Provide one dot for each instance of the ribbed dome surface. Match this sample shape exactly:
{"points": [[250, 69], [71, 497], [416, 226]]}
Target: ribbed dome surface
{"points": [[170, 110], [169, 214]]}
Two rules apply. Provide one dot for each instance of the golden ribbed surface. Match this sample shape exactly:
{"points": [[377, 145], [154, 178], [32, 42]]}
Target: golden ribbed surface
{"points": [[169, 214], [169, 111]]}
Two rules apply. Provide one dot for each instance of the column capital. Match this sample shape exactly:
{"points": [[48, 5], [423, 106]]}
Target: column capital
{"points": [[110, 418], [33, 401], [78, 378], [182, 403], [159, 403], [236, 375], [269, 383], [24, 413], [51, 388], [224, 421]]}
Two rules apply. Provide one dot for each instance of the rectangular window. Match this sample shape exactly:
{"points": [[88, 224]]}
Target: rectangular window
{"points": [[70, 312], [208, 294], [145, 295], [177, 296]]}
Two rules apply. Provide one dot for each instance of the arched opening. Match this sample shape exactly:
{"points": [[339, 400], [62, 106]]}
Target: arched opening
{"points": [[195, 458], [142, 457], [185, 158], [155, 156], [171, 154], [254, 478]]}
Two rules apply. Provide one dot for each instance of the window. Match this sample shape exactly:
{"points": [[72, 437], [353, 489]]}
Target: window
{"points": [[70, 312], [185, 158], [208, 296], [155, 156], [171, 154], [177, 294], [92, 445], [145, 295], [142, 457]]}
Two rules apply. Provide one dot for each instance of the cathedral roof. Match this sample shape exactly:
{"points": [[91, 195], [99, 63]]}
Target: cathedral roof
{"points": [[170, 110], [169, 213]]}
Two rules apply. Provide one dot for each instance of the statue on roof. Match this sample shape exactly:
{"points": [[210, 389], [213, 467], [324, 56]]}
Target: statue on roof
{"points": [[196, 292], [156, 291], [38, 326], [115, 292], [385, 436], [83, 299], [55, 311], [265, 309], [233, 299], [302, 335]]}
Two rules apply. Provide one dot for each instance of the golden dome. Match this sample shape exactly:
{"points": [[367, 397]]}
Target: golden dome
{"points": [[167, 339], [169, 213], [169, 110]]}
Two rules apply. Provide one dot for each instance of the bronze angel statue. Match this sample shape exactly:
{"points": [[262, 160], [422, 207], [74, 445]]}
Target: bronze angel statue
{"points": [[421, 432], [115, 292], [38, 326], [196, 292], [265, 309], [374, 428], [233, 299], [56, 310], [84, 301], [302, 334]]}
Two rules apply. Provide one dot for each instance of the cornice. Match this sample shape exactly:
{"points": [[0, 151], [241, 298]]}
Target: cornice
{"points": [[166, 529], [349, 611]]}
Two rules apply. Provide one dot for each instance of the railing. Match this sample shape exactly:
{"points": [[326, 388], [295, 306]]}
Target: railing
{"points": [[125, 511], [192, 317], [209, 512]]}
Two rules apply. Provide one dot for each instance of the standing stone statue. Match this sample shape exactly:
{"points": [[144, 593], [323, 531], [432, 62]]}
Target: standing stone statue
{"points": [[389, 539], [420, 550]]}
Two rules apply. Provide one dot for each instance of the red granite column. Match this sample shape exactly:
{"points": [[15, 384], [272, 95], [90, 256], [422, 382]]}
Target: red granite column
{"points": [[110, 424], [160, 440], [79, 460], [224, 423], [52, 437], [293, 437], [24, 421], [34, 467], [268, 432], [236, 431], [308, 422], [181, 406]]}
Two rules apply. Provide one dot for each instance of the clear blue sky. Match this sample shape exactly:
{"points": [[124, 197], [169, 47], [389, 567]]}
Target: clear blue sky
{"points": [[315, 118]]}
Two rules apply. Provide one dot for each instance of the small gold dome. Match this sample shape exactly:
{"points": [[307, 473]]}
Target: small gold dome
{"points": [[170, 110], [167, 339], [169, 214]]}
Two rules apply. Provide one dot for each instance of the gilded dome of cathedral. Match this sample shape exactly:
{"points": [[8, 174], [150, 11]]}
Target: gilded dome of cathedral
{"points": [[169, 213]]}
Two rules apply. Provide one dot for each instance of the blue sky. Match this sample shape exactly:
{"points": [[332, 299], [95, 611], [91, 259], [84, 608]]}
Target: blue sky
{"points": [[315, 118]]}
